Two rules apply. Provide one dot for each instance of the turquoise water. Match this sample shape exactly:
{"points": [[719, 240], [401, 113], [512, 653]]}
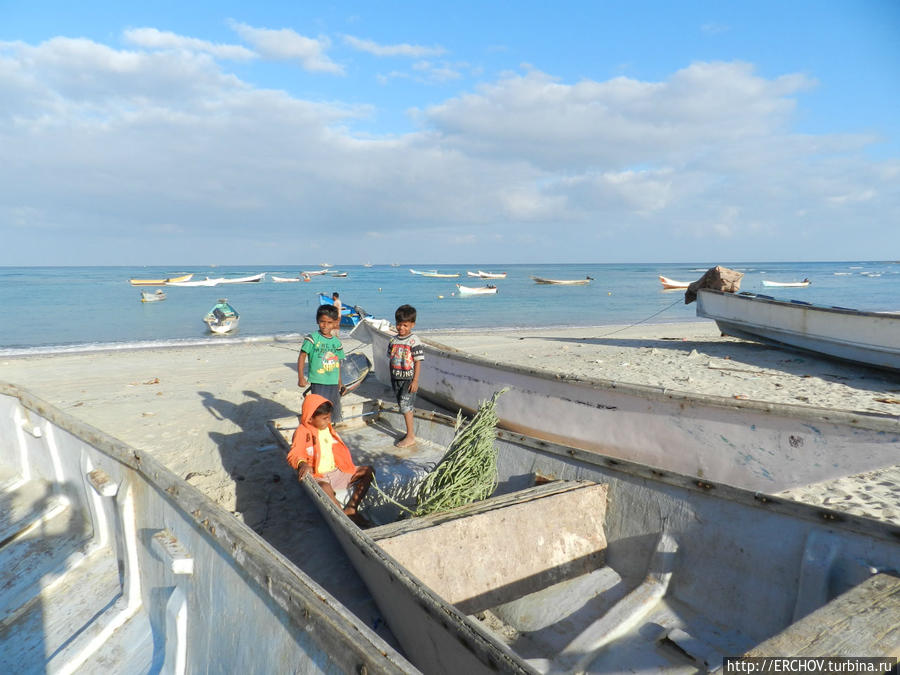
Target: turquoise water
{"points": [[64, 308]]}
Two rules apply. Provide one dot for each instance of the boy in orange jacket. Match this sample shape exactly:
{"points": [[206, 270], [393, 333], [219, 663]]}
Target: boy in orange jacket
{"points": [[317, 448]]}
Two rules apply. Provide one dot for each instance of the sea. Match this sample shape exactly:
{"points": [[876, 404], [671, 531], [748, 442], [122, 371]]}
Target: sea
{"points": [[65, 309]]}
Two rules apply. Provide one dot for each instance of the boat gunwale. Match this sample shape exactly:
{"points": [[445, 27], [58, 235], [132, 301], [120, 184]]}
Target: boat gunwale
{"points": [[330, 624], [756, 297]]}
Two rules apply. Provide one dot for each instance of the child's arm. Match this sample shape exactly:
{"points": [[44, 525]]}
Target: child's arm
{"points": [[414, 385], [301, 378]]}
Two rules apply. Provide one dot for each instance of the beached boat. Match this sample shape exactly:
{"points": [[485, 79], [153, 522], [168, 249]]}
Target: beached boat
{"points": [[870, 338], [588, 564], [434, 274], [786, 284], [284, 280], [668, 283], [752, 444], [350, 314], [563, 282], [155, 296], [252, 279], [111, 563], [222, 318], [476, 290], [160, 282], [487, 275]]}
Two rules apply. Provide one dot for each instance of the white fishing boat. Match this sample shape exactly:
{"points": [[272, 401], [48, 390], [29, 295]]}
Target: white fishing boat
{"points": [[313, 273], [110, 563], [582, 563], [367, 264], [160, 282], [190, 284], [222, 318], [434, 274], [487, 275], [751, 444], [668, 283], [155, 296], [563, 282], [252, 279], [284, 280], [786, 284], [476, 290], [870, 338]]}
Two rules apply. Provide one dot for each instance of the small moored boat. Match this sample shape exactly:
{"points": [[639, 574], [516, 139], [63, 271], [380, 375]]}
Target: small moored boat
{"points": [[434, 274], [564, 282], [786, 284], [668, 283], [284, 280], [350, 314], [155, 296], [160, 282], [487, 275], [252, 279], [222, 318], [477, 290]]}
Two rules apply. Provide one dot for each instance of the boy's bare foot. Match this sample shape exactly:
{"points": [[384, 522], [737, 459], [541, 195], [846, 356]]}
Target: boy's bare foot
{"points": [[406, 442]]}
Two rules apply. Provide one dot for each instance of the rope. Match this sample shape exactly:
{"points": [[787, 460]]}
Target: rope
{"points": [[637, 323]]}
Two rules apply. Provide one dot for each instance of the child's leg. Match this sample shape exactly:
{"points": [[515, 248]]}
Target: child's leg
{"points": [[328, 490], [362, 479]]}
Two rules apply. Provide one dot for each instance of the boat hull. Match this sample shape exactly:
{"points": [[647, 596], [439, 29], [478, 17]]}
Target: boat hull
{"points": [[751, 444], [869, 338], [562, 282], [671, 284]]}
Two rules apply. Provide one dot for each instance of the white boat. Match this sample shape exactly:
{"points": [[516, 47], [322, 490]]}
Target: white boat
{"points": [[668, 283], [487, 275], [564, 282], [751, 444], [476, 290], [313, 273], [580, 563], [200, 282], [252, 279], [786, 284], [222, 318], [110, 563], [160, 282], [870, 338], [367, 264], [155, 296], [326, 265], [340, 275], [434, 274], [284, 280]]}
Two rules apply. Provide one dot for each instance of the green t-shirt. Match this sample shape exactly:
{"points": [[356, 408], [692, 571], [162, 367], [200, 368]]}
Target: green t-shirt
{"points": [[324, 355]]}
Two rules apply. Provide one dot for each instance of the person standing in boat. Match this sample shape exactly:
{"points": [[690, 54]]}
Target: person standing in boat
{"points": [[405, 354], [336, 301], [325, 352], [316, 448]]}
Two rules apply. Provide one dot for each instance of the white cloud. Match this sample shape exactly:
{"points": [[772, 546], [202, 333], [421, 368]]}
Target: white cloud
{"points": [[411, 51], [152, 38], [288, 45]]}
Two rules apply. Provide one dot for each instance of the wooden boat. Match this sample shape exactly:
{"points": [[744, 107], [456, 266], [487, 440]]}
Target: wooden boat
{"points": [[588, 564], [476, 290], [750, 444], [222, 318], [252, 279], [338, 274], [350, 314], [434, 274], [668, 283], [564, 282], [284, 280], [313, 273], [786, 284], [111, 563], [200, 282], [870, 338], [155, 296], [159, 282], [487, 275]]}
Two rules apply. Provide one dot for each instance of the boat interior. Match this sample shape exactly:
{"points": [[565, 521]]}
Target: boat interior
{"points": [[581, 563]]}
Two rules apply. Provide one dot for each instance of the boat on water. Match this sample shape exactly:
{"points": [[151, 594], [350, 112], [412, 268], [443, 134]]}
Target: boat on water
{"points": [[155, 296], [668, 283], [367, 264], [487, 275], [870, 338], [252, 279], [284, 280], [338, 274], [350, 314], [191, 284], [750, 444], [222, 318], [564, 282], [786, 284], [313, 273], [160, 282], [584, 563], [434, 274], [111, 563], [490, 289]]}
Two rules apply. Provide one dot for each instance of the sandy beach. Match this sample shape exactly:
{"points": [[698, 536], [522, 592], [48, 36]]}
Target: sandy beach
{"points": [[202, 411]]}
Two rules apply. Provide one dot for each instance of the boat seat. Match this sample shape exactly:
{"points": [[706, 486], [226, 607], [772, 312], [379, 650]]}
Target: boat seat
{"points": [[508, 546], [864, 620]]}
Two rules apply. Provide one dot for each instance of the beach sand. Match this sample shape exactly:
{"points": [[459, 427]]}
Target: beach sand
{"points": [[202, 411]]}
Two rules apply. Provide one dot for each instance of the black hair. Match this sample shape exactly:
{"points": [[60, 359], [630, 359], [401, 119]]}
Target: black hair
{"points": [[324, 409], [335, 295], [327, 310], [405, 313]]}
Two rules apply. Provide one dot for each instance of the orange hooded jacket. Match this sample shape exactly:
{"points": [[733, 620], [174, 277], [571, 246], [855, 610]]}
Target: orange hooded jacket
{"points": [[305, 443]]}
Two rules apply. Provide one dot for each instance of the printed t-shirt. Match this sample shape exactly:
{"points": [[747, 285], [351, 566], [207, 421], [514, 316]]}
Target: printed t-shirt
{"points": [[325, 354], [402, 353], [326, 452]]}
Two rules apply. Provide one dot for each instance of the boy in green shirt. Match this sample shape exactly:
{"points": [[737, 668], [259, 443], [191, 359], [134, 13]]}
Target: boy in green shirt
{"points": [[324, 352]]}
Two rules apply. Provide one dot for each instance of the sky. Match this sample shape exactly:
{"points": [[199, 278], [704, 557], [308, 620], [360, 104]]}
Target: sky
{"points": [[289, 133]]}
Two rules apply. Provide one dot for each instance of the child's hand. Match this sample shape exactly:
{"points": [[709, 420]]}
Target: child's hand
{"points": [[301, 381], [413, 387], [302, 470]]}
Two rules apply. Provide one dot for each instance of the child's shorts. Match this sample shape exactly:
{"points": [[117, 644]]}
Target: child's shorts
{"points": [[333, 393], [406, 399], [340, 483]]}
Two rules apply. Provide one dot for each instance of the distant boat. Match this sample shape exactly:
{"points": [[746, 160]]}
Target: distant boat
{"points": [[201, 282], [668, 283], [284, 280], [155, 296], [350, 314], [786, 284], [476, 290], [367, 264], [256, 278], [338, 274], [314, 273], [222, 318], [871, 338], [326, 265], [487, 275], [434, 274], [564, 282], [159, 282]]}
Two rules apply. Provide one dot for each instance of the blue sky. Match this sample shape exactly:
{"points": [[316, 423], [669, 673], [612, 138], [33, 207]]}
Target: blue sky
{"points": [[280, 133]]}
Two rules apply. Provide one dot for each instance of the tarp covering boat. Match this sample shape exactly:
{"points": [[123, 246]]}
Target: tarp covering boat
{"points": [[718, 279]]}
